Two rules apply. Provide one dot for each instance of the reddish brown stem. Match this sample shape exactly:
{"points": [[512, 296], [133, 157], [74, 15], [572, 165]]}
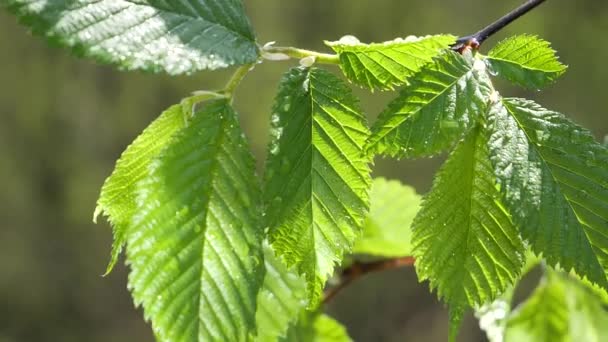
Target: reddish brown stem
{"points": [[359, 269]]}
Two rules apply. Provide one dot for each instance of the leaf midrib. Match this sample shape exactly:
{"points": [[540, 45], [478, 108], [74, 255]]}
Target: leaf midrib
{"points": [[210, 189], [525, 66]]}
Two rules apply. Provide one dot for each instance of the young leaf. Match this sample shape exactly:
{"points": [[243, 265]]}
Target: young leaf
{"points": [[317, 327], [281, 300], [170, 36], [388, 64], [387, 229], [195, 245], [441, 103], [527, 61], [117, 199], [464, 240], [560, 309], [554, 178], [317, 178]]}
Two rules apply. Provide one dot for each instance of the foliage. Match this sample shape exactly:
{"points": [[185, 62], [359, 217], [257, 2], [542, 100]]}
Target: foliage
{"points": [[393, 207], [146, 35], [216, 255], [316, 179], [388, 64], [464, 241], [525, 60], [195, 244], [441, 103]]}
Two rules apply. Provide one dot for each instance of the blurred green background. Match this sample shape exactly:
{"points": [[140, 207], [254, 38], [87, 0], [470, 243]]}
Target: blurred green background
{"points": [[64, 121]]}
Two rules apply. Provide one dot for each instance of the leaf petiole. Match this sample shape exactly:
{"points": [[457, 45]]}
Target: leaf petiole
{"points": [[270, 52]]}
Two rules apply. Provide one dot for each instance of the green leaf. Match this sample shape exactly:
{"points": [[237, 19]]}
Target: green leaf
{"points": [[464, 240], [543, 317], [441, 103], [554, 178], [388, 64], [195, 244], [317, 177], [317, 327], [387, 230], [560, 309], [526, 61], [171, 36], [281, 300], [118, 199]]}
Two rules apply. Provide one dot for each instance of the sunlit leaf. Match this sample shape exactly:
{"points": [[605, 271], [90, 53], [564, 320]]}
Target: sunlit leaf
{"points": [[195, 244], [526, 60], [317, 327], [441, 103], [118, 199], [317, 177], [560, 309], [554, 178], [387, 230], [171, 36], [388, 64], [464, 241], [281, 300]]}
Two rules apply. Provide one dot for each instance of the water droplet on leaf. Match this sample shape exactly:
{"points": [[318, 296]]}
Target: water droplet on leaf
{"points": [[349, 40]]}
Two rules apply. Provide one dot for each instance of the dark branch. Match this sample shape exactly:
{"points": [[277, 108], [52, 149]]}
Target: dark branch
{"points": [[475, 40], [359, 269]]}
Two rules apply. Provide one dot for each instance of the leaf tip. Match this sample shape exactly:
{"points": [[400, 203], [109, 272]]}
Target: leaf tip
{"points": [[455, 319], [98, 210]]}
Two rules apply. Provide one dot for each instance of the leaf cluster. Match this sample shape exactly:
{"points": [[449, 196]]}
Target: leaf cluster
{"points": [[218, 254]]}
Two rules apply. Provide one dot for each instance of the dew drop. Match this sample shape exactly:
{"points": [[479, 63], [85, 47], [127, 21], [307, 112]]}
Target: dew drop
{"points": [[411, 39], [275, 119], [349, 40], [541, 135], [308, 61], [274, 149], [306, 85]]}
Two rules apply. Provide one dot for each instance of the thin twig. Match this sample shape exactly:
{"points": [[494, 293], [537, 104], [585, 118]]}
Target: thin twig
{"points": [[359, 269], [475, 40], [235, 80], [286, 52]]}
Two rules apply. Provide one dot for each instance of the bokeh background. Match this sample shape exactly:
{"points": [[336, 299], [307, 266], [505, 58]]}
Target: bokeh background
{"points": [[64, 121]]}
